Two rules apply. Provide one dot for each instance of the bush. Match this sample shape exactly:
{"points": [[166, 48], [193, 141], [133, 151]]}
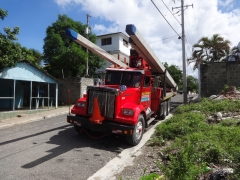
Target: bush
{"points": [[195, 143]]}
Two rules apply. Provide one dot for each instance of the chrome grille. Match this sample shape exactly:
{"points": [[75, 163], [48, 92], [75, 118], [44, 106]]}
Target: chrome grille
{"points": [[106, 102]]}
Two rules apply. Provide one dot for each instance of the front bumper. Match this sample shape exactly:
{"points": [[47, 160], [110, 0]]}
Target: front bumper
{"points": [[106, 126]]}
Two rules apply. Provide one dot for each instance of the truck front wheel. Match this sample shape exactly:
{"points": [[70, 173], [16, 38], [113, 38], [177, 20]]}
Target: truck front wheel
{"points": [[78, 129], [138, 131]]}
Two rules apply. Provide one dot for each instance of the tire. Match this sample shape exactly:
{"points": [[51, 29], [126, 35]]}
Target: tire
{"points": [[168, 106], [138, 131], [163, 112], [78, 129]]}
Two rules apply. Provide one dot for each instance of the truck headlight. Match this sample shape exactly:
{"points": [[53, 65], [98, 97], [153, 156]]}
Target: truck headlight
{"points": [[80, 104], [128, 112]]}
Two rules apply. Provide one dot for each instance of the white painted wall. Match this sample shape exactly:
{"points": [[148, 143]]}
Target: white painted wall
{"points": [[116, 48]]}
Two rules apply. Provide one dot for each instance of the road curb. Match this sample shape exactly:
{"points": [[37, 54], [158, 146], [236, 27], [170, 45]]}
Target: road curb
{"points": [[125, 158], [31, 118]]}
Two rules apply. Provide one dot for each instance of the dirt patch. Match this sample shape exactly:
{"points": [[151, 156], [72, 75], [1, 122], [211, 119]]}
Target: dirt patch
{"points": [[146, 163]]}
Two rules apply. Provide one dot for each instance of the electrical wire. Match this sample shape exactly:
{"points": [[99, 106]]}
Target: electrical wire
{"points": [[165, 18], [191, 68], [164, 39], [189, 32], [169, 37], [188, 44], [94, 137], [170, 12], [196, 23]]}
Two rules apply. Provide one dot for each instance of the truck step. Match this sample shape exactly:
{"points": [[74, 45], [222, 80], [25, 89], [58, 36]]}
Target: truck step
{"points": [[150, 114], [150, 120]]}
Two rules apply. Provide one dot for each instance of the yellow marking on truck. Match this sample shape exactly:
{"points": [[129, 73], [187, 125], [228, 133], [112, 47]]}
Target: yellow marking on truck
{"points": [[145, 93], [169, 95]]}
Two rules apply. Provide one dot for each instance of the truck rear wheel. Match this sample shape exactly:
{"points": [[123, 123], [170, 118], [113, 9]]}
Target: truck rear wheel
{"points": [[138, 131], [163, 112]]}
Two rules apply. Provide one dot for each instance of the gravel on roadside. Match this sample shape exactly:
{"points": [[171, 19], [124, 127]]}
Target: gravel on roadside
{"points": [[143, 164]]}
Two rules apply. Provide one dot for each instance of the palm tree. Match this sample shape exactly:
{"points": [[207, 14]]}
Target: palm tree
{"points": [[218, 47], [209, 50], [199, 54], [34, 56]]}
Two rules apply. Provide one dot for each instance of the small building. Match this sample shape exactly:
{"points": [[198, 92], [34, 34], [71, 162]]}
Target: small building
{"points": [[25, 86], [116, 44]]}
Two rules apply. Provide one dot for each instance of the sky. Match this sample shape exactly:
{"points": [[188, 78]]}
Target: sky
{"points": [[158, 21]]}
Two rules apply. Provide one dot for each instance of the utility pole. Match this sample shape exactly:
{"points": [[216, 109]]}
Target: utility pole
{"points": [[87, 31], [183, 57], [183, 53]]}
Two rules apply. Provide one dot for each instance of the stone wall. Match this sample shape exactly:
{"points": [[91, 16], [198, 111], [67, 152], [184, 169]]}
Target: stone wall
{"points": [[214, 76], [76, 86]]}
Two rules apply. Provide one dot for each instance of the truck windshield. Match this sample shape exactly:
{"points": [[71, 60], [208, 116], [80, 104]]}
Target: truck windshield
{"points": [[132, 79]]}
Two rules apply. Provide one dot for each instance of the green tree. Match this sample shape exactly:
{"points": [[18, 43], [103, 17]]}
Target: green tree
{"points": [[176, 74], [209, 50], [10, 50], [63, 54], [3, 14], [192, 84], [34, 56]]}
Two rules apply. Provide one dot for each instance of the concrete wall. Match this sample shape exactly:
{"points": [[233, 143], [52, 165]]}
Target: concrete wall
{"points": [[77, 87], [116, 48], [214, 76]]}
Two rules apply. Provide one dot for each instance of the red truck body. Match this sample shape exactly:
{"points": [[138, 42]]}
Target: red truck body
{"points": [[131, 98]]}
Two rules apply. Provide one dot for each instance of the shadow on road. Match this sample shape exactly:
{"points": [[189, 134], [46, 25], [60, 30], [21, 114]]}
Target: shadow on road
{"points": [[68, 140], [32, 135]]}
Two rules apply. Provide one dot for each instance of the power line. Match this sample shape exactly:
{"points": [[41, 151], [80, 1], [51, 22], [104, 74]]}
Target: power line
{"points": [[189, 31], [169, 37], [188, 44], [164, 39], [196, 24], [170, 12], [165, 19]]}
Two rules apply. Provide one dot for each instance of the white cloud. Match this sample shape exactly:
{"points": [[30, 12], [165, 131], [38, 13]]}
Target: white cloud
{"points": [[204, 19], [225, 2]]}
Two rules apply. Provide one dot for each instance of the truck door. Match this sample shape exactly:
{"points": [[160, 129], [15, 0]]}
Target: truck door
{"points": [[146, 92]]}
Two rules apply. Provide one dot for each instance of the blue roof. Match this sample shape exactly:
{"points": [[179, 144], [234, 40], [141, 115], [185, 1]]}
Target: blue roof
{"points": [[26, 71]]}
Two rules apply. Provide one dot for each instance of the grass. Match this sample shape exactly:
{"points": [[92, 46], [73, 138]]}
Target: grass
{"points": [[195, 143]]}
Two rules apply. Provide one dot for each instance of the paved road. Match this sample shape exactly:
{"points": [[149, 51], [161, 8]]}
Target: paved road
{"points": [[51, 149]]}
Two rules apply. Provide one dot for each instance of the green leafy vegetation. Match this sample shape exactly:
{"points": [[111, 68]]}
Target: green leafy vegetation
{"points": [[192, 83], [190, 143], [62, 55], [151, 176], [11, 51], [211, 49], [176, 73]]}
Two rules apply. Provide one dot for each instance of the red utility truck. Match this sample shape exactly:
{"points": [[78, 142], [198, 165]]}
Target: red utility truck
{"points": [[133, 95]]}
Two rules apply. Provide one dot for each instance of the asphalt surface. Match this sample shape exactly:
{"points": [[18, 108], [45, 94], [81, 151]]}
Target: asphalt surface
{"points": [[36, 144]]}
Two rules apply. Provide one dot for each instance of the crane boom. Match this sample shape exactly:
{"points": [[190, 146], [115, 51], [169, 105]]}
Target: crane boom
{"points": [[93, 47], [144, 50]]}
